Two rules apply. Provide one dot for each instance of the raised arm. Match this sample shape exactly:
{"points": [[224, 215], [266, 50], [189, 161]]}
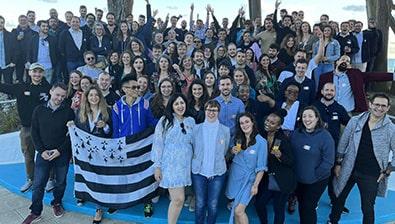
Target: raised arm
{"points": [[191, 23]]}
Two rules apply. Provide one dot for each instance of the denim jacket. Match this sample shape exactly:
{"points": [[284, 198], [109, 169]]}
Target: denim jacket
{"points": [[221, 148], [332, 51]]}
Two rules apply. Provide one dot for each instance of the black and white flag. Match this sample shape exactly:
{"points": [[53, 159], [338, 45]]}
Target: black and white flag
{"points": [[114, 173]]}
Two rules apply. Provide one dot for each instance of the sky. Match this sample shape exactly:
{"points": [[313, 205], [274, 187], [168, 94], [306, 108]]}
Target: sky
{"points": [[338, 10]]}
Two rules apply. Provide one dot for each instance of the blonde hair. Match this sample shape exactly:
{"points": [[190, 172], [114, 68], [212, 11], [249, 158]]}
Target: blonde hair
{"points": [[85, 107]]}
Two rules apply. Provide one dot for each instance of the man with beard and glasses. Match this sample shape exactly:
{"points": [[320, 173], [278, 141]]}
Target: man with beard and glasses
{"points": [[276, 65], [350, 84], [333, 115]]}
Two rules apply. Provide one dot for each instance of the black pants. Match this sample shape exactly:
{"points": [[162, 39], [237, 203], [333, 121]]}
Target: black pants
{"points": [[279, 201], [308, 197], [7, 75], [367, 186]]}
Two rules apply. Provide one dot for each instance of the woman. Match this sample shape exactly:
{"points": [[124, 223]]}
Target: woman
{"points": [[210, 81], [100, 43], [329, 49], [314, 152], [74, 91], [186, 73], [172, 153], [161, 98], [265, 78], [164, 70], [115, 70], [197, 98], [250, 59], [240, 77], [305, 39], [220, 54], [138, 66], [93, 117], [144, 90], [126, 58], [122, 40], [280, 180], [288, 49], [293, 108], [210, 145], [137, 47], [248, 166], [86, 82], [209, 61], [171, 51]]}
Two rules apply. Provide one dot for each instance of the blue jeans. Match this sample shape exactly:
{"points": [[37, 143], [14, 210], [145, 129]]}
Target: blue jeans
{"points": [[207, 191], [262, 199], [42, 169], [321, 69]]}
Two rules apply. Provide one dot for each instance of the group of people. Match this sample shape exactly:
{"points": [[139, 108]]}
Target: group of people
{"points": [[253, 110]]}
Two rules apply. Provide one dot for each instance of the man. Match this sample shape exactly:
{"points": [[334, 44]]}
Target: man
{"points": [[333, 115], [72, 44], [99, 16], [52, 143], [43, 50], [276, 65], [198, 63], [232, 50], [375, 45], [68, 15], [289, 70], [306, 85], [361, 57], [266, 37], [7, 63], [31, 18], [28, 96], [83, 12], [111, 27], [324, 19], [22, 36], [230, 105], [173, 26], [89, 69], [363, 158], [104, 83], [241, 63], [350, 84], [89, 25], [348, 43], [132, 115], [285, 28]]}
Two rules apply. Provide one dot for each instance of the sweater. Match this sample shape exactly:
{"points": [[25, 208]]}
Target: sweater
{"points": [[314, 155]]}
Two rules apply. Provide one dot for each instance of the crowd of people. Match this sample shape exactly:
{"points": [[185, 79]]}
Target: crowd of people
{"points": [[254, 109]]}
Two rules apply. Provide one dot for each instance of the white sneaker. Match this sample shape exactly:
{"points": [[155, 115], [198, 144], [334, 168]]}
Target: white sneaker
{"points": [[25, 187], [50, 185]]}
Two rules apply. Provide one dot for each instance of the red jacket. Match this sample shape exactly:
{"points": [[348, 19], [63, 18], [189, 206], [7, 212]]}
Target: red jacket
{"points": [[358, 80]]}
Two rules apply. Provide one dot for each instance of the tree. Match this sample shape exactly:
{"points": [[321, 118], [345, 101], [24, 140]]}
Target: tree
{"points": [[121, 8], [255, 8], [381, 10]]}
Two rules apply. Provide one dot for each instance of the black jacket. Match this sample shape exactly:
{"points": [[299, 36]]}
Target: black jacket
{"points": [[104, 49], [376, 43], [283, 168], [69, 50], [35, 43], [49, 130], [9, 47], [22, 47], [28, 96], [349, 41]]}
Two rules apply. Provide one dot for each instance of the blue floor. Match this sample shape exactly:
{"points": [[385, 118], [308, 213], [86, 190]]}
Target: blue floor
{"points": [[12, 177]]}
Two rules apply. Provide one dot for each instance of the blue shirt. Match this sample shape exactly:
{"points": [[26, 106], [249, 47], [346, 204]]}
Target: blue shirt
{"points": [[229, 111], [43, 56], [2, 50], [344, 95], [357, 58]]}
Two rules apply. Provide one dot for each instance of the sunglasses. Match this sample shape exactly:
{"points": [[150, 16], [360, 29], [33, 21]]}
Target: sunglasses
{"points": [[90, 58], [183, 128], [132, 87]]}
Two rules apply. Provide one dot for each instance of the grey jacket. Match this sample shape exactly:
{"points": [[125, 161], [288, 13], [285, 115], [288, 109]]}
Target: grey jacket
{"points": [[383, 139], [221, 148]]}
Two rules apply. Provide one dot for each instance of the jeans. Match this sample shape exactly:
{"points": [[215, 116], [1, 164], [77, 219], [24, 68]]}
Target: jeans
{"points": [[207, 191], [279, 201], [367, 186], [60, 166], [48, 74], [321, 69], [308, 197]]}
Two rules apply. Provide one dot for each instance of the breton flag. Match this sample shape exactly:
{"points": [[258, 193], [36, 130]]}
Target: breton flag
{"points": [[114, 173]]}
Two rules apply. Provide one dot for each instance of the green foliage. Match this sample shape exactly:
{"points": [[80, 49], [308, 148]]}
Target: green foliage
{"points": [[9, 119]]}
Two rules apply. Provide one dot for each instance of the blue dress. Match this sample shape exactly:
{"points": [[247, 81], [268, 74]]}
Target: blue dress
{"points": [[245, 165], [172, 153]]}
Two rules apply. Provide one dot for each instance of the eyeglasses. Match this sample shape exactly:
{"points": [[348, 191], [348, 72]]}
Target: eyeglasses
{"points": [[183, 128], [90, 58], [211, 110], [131, 87], [380, 105], [197, 41]]}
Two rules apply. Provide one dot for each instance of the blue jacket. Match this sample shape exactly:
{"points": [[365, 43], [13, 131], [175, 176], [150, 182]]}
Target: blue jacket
{"points": [[131, 120], [314, 155], [332, 51]]}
